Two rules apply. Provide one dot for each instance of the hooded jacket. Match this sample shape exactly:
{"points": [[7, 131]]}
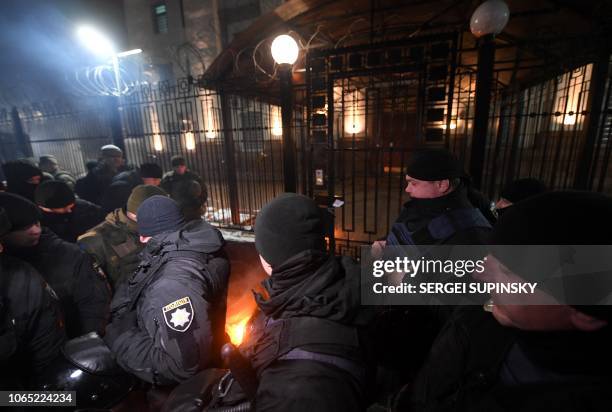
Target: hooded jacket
{"points": [[114, 245], [177, 299], [83, 291], [311, 352]]}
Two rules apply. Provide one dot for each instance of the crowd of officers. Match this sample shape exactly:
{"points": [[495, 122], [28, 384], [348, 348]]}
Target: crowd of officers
{"points": [[130, 258]]}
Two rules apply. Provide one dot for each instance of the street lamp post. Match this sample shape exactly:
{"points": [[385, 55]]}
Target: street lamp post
{"points": [[101, 45], [285, 52], [488, 20]]}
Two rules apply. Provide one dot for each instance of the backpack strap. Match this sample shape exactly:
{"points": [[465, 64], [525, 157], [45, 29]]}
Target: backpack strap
{"points": [[284, 339]]}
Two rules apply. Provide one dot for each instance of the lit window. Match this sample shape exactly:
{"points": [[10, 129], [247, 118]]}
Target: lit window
{"points": [[160, 18]]}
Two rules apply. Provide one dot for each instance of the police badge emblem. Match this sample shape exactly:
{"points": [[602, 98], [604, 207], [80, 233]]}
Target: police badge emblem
{"points": [[179, 314]]}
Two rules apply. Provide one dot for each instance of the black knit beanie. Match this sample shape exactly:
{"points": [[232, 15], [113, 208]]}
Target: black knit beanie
{"points": [[286, 226], [151, 170], [53, 194], [5, 223], [157, 215], [522, 189], [556, 218], [434, 164], [20, 211]]}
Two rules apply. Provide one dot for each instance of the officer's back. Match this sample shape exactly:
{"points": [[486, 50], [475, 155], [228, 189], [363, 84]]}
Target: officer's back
{"points": [[168, 319], [308, 352]]}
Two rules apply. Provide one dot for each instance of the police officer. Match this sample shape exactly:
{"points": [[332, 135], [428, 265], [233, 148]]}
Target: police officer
{"points": [[168, 320], [115, 244], [309, 351], [31, 325], [438, 211], [84, 292]]}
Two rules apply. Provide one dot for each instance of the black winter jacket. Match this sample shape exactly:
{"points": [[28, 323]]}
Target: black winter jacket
{"points": [[177, 298], [31, 324], [69, 226], [83, 291], [476, 364], [300, 368]]}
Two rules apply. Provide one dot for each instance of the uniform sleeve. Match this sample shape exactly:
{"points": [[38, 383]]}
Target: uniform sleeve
{"points": [[92, 296], [44, 325], [173, 338]]}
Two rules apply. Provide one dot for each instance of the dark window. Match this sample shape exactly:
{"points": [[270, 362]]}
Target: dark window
{"points": [[160, 18]]}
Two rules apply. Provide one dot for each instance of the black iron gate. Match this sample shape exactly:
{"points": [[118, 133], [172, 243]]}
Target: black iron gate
{"points": [[369, 107]]}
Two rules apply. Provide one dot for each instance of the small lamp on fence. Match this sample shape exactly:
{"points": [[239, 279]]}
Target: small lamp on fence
{"points": [[285, 52], [285, 49]]}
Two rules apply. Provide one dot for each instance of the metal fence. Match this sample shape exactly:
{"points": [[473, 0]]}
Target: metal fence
{"points": [[232, 141], [372, 105], [361, 113]]}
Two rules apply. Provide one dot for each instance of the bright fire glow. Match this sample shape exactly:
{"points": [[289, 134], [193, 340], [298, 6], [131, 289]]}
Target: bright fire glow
{"points": [[236, 331], [239, 312]]}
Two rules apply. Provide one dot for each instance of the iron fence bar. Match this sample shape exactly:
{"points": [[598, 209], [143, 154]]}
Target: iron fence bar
{"points": [[22, 139], [599, 78], [232, 181]]}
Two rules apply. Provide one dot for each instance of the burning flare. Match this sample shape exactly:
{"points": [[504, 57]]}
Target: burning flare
{"points": [[238, 314]]}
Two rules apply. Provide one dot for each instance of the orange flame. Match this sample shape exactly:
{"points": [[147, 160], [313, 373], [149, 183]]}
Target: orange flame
{"points": [[239, 312], [236, 331]]}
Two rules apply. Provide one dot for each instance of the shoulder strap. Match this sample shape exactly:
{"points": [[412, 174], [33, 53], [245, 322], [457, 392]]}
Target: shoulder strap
{"points": [[282, 336]]}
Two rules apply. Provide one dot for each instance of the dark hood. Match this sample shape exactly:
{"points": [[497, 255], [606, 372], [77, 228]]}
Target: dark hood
{"points": [[313, 283], [195, 236]]}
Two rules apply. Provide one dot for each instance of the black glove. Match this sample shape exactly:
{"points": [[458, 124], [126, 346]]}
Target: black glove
{"points": [[119, 326]]}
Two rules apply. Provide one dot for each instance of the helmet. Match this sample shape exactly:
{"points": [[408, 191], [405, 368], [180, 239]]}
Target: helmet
{"points": [[88, 367]]}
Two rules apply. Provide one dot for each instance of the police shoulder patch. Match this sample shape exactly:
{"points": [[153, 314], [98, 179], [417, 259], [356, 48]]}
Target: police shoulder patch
{"points": [[179, 314]]}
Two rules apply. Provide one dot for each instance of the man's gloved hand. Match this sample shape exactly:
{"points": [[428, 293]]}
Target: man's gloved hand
{"points": [[120, 325]]}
